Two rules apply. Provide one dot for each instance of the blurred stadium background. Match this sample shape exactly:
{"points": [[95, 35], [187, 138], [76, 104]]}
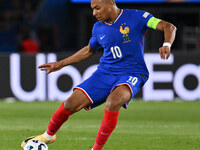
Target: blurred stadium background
{"points": [[33, 32]]}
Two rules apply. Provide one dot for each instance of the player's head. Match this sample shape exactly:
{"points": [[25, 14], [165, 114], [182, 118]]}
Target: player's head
{"points": [[103, 9]]}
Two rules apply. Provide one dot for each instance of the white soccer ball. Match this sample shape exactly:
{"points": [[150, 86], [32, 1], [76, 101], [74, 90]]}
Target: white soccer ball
{"points": [[35, 145]]}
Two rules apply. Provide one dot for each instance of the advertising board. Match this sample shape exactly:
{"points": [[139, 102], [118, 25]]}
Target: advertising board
{"points": [[20, 78]]}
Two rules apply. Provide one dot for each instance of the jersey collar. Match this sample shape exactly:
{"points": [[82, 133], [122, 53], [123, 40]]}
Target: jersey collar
{"points": [[122, 10]]}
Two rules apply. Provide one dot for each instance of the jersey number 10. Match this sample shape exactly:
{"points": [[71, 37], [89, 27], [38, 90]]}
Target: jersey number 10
{"points": [[116, 51]]}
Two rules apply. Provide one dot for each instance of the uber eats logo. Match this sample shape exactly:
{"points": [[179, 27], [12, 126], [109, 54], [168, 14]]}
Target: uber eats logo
{"points": [[176, 76], [47, 87]]}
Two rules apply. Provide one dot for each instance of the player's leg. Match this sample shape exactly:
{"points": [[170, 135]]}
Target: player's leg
{"points": [[117, 98], [74, 103]]}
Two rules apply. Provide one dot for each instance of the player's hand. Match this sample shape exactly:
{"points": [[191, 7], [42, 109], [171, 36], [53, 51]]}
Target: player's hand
{"points": [[164, 52], [50, 67]]}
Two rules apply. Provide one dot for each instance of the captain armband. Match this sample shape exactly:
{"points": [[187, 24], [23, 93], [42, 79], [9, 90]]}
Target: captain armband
{"points": [[153, 22]]}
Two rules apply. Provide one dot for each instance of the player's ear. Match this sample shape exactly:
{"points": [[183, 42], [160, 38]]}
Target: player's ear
{"points": [[110, 2]]}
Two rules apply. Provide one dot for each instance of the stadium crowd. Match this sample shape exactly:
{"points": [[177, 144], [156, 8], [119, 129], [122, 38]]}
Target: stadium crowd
{"points": [[17, 31], [20, 30]]}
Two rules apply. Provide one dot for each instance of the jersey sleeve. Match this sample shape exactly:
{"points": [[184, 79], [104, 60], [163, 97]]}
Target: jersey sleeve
{"points": [[149, 20], [145, 16], [94, 41]]}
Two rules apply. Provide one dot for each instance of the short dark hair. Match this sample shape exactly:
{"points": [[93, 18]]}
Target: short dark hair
{"points": [[108, 0]]}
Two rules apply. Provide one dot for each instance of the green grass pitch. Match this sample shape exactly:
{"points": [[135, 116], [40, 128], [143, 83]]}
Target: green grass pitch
{"points": [[143, 126]]}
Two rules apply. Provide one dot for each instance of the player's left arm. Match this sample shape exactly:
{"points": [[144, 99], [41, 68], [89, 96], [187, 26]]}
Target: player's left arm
{"points": [[169, 36]]}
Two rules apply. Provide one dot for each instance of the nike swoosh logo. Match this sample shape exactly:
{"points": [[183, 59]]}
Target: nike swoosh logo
{"points": [[53, 121], [104, 133], [102, 37]]}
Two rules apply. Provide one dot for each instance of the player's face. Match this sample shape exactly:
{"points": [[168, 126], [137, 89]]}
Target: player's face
{"points": [[101, 9]]}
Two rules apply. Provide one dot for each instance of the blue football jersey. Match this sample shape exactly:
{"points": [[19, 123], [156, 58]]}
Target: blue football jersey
{"points": [[123, 42]]}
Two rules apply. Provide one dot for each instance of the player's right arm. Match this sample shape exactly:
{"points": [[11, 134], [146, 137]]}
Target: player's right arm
{"points": [[81, 55]]}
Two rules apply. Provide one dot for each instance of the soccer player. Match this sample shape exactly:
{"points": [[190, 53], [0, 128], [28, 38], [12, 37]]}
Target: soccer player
{"points": [[122, 70]]}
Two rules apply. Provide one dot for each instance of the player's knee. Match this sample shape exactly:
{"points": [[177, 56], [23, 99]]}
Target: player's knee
{"points": [[114, 105], [70, 106], [114, 102]]}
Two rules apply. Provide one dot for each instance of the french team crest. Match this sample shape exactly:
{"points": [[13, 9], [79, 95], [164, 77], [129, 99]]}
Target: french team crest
{"points": [[125, 31]]}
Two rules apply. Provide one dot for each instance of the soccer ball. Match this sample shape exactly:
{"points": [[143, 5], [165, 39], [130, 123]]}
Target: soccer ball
{"points": [[35, 145]]}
